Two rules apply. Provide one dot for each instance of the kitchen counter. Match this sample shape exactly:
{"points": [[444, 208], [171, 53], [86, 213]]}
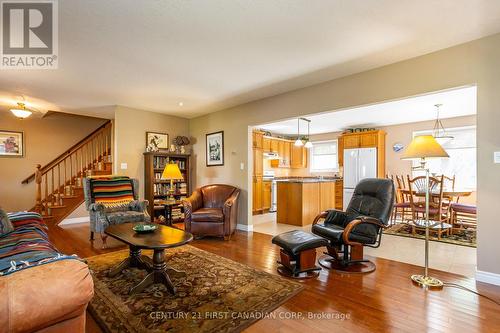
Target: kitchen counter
{"points": [[299, 200], [308, 180]]}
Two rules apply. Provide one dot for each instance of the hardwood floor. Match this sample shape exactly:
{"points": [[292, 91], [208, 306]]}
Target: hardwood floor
{"points": [[382, 301]]}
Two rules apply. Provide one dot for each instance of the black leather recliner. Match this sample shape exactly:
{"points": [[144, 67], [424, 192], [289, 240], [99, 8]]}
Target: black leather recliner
{"points": [[360, 225]]}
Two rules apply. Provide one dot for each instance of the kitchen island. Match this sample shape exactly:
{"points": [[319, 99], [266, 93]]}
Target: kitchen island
{"points": [[299, 200]]}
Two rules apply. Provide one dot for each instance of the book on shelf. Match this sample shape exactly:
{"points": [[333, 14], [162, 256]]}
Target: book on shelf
{"points": [[159, 162]]}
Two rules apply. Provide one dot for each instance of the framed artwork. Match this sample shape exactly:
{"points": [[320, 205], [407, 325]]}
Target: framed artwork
{"points": [[11, 144], [156, 141], [215, 148]]}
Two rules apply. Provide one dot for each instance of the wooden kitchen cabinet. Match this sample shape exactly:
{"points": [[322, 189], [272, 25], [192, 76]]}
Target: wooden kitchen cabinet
{"points": [[298, 157], [257, 139], [266, 195], [257, 195], [326, 195], [274, 145], [351, 141], [368, 140], [340, 150], [258, 160], [283, 150], [300, 202], [286, 154], [339, 195], [266, 144]]}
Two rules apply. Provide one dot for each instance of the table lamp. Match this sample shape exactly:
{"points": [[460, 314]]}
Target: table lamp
{"points": [[421, 148], [171, 172]]}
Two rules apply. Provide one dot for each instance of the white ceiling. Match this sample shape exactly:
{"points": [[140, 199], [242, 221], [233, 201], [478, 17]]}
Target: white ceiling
{"points": [[456, 103], [152, 54]]}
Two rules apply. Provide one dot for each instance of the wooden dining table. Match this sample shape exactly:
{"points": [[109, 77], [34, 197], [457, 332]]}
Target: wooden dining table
{"points": [[452, 195], [448, 193]]}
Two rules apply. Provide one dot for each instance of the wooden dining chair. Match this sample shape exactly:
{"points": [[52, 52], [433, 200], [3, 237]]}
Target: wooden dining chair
{"points": [[449, 184], [437, 211], [463, 217], [402, 205]]}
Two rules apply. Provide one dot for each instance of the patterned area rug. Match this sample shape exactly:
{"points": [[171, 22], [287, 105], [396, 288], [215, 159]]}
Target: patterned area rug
{"points": [[466, 237], [216, 294]]}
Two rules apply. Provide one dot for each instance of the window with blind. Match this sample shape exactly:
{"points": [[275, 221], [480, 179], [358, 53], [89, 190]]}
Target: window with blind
{"points": [[462, 161], [323, 157]]}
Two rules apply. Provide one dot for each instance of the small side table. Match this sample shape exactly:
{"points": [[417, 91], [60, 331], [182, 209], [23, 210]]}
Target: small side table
{"points": [[434, 226], [168, 205]]}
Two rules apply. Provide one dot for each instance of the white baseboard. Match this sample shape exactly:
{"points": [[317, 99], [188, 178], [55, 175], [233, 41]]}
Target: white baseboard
{"points": [[487, 277], [244, 227], [75, 220]]}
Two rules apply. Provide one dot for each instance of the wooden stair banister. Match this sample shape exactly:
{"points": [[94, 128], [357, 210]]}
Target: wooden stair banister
{"points": [[71, 150], [58, 185]]}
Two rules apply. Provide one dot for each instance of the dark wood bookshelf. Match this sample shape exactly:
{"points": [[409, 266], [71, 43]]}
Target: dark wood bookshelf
{"points": [[156, 189]]}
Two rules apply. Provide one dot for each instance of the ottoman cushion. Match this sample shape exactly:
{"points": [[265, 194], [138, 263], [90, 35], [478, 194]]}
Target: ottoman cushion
{"points": [[296, 241]]}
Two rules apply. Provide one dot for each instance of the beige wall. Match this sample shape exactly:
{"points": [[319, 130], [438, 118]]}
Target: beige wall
{"points": [[130, 127], [403, 133], [45, 139], [477, 62]]}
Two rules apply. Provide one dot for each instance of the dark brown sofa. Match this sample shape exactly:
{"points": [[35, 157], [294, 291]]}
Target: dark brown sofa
{"points": [[212, 210]]}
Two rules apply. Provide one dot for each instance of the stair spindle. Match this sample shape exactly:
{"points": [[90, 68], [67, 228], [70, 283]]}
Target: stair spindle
{"points": [[99, 147], [71, 174], [38, 181], [81, 167], [65, 174], [46, 198], [59, 198], [52, 196], [106, 145]]}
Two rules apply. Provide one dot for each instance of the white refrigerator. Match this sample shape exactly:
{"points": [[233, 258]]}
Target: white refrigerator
{"points": [[359, 163]]}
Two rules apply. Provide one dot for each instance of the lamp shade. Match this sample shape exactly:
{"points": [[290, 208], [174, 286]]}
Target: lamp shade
{"points": [[172, 172], [424, 146]]}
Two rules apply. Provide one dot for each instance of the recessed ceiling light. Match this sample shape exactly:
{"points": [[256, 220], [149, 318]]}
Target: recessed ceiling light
{"points": [[181, 104]]}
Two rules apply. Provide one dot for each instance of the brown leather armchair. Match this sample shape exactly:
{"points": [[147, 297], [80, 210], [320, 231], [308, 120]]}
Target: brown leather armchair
{"points": [[212, 210]]}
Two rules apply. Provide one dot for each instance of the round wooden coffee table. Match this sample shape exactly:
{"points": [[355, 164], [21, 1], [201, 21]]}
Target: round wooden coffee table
{"points": [[162, 238]]}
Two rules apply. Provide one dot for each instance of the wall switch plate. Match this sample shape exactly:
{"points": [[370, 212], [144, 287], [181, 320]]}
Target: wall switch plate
{"points": [[242, 166], [496, 157], [123, 166]]}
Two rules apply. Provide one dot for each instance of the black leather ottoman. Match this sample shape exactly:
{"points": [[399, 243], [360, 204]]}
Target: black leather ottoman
{"points": [[298, 253]]}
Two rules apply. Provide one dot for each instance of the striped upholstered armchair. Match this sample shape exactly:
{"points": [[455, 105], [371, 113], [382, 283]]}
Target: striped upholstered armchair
{"points": [[113, 200]]}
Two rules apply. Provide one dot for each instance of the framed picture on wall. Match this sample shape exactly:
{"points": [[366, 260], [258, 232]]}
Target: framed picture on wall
{"points": [[11, 144], [156, 141], [215, 148]]}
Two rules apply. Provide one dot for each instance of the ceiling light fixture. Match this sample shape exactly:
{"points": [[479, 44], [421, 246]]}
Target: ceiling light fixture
{"points": [[21, 111], [308, 143], [439, 133], [298, 142]]}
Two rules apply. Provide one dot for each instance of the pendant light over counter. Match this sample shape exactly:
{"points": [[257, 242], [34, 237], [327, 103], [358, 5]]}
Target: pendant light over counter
{"points": [[300, 141], [439, 133]]}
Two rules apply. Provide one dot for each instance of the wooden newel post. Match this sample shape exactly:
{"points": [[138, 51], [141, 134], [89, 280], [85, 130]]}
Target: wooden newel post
{"points": [[38, 181]]}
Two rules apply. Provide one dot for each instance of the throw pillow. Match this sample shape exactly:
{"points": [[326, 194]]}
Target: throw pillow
{"points": [[5, 224]]}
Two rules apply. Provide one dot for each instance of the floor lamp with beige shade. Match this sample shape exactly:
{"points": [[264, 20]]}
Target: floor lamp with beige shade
{"points": [[422, 148]]}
